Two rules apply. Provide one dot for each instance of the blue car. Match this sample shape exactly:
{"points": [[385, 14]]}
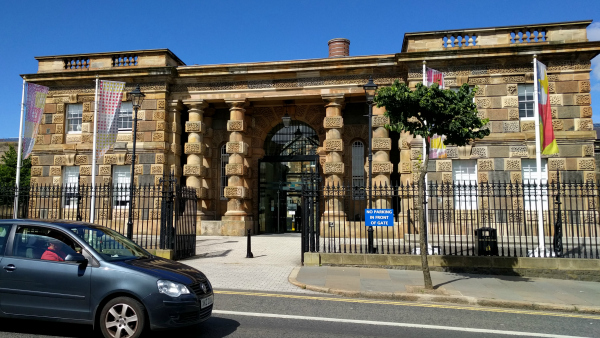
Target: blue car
{"points": [[83, 273]]}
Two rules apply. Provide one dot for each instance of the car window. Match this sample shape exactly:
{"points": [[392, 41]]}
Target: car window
{"points": [[43, 243], [4, 230], [109, 244]]}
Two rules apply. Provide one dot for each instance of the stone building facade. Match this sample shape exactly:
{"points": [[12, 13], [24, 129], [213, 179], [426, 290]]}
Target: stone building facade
{"points": [[216, 126]]}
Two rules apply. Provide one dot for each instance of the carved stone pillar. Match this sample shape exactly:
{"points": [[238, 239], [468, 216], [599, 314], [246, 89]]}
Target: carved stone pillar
{"points": [[382, 167], [194, 169], [236, 219], [334, 149]]}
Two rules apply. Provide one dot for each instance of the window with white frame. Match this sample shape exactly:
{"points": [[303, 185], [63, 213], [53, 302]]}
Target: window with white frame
{"points": [[526, 102], [121, 179], [74, 117], [70, 186], [224, 162], [358, 170], [530, 182], [125, 118], [464, 175]]}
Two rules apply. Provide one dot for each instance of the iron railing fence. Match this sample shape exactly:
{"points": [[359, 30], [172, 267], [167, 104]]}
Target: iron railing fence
{"points": [[334, 218], [164, 216]]}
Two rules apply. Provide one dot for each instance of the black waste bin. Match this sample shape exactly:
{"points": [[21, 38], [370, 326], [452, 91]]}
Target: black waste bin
{"points": [[486, 242]]}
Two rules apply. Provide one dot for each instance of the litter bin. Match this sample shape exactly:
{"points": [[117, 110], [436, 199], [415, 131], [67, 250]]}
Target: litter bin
{"points": [[486, 243]]}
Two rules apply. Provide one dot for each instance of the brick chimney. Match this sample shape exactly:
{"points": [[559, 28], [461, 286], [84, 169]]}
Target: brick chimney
{"points": [[339, 47]]}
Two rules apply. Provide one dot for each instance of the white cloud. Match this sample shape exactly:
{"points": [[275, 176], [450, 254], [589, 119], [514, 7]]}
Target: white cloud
{"points": [[593, 31]]}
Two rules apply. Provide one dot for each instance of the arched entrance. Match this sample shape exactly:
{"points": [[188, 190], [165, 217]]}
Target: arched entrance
{"points": [[289, 152]]}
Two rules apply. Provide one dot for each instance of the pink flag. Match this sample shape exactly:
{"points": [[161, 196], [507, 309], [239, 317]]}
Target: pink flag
{"points": [[434, 76], [110, 94], [36, 101]]}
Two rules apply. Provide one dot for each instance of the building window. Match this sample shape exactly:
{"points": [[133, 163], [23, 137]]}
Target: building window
{"points": [[125, 118], [464, 174], [224, 162], [74, 116], [530, 176], [121, 179], [358, 170], [526, 101], [70, 186]]}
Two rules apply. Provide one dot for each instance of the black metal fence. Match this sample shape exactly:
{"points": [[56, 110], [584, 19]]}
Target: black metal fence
{"points": [[464, 218], [164, 216]]}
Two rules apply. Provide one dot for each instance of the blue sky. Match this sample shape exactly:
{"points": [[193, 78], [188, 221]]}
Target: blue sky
{"points": [[210, 32]]}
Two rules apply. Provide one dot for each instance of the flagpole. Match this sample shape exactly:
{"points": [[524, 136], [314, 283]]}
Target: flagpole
{"points": [[19, 151], [425, 150], [93, 204], [538, 162]]}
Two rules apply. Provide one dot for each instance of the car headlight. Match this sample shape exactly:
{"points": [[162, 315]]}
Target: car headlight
{"points": [[172, 289]]}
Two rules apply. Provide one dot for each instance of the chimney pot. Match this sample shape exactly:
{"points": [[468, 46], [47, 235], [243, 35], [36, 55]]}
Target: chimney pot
{"points": [[339, 47]]}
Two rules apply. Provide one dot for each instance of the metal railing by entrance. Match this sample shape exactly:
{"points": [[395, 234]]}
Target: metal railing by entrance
{"points": [[466, 219], [164, 216]]}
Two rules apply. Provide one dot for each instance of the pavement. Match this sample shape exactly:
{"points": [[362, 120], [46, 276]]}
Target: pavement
{"points": [[276, 267]]}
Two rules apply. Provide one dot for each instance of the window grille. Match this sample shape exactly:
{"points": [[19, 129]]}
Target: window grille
{"points": [[358, 170], [74, 117], [224, 162], [526, 101], [71, 186]]}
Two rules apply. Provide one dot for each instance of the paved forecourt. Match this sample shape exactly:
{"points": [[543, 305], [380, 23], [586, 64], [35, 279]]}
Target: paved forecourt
{"points": [[223, 260]]}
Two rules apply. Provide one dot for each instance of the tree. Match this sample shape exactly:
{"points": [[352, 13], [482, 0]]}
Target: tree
{"points": [[8, 169], [426, 111]]}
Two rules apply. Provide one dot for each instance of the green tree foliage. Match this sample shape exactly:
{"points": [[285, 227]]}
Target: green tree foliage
{"points": [[8, 169], [426, 111]]}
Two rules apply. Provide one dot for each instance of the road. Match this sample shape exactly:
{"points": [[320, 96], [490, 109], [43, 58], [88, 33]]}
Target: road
{"points": [[262, 314]]}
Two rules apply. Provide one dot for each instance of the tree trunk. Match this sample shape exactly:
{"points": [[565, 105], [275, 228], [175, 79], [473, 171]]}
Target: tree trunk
{"points": [[422, 211]]}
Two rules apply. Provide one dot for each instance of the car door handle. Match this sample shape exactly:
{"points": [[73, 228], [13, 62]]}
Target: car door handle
{"points": [[10, 268]]}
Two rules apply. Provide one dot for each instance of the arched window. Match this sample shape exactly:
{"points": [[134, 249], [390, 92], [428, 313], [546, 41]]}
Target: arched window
{"points": [[358, 170], [224, 162]]}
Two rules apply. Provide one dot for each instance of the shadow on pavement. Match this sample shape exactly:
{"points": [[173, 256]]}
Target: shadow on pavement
{"points": [[34, 327], [214, 327]]}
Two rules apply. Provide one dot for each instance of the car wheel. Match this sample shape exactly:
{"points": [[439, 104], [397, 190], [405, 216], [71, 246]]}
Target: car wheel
{"points": [[122, 317]]}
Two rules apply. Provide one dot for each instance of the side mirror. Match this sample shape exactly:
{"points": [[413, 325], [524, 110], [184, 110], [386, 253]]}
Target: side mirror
{"points": [[76, 257]]}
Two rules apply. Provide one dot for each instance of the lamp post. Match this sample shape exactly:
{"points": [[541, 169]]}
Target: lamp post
{"points": [[137, 97], [370, 89]]}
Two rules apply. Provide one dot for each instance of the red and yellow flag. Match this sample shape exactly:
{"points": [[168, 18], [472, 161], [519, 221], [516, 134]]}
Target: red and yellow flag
{"points": [[547, 144]]}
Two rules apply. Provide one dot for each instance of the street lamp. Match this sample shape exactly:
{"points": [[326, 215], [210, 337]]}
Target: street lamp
{"points": [[370, 89], [137, 97]]}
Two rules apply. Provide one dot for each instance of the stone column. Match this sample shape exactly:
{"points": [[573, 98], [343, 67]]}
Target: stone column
{"points": [[334, 148], [236, 219], [194, 169], [382, 167]]}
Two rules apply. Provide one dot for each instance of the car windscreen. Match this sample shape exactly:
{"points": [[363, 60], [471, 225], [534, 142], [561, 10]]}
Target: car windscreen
{"points": [[109, 244]]}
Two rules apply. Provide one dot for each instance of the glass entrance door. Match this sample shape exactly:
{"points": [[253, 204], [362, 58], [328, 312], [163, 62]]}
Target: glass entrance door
{"points": [[279, 193]]}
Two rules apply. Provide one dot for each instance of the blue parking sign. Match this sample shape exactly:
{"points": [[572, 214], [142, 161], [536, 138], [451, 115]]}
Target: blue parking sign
{"points": [[379, 217]]}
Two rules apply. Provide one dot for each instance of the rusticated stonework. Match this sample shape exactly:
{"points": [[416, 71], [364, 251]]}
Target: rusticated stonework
{"points": [[236, 192], [511, 89], [443, 165], [81, 159], [57, 139], [194, 126], [58, 118], [482, 177], [512, 164], [333, 168], [157, 169], [235, 125], [584, 86], [511, 126], [586, 124], [55, 171], [483, 103], [586, 164], [236, 148], [510, 101], [415, 154], [557, 124], [334, 145], [159, 158], [193, 170], [518, 151], [588, 150], [382, 167], [193, 148], [60, 160], [237, 169], [583, 99], [527, 126], [513, 114], [452, 152], [110, 159], [405, 167], [485, 165], [104, 170], [36, 171], [479, 152], [586, 112], [382, 143], [333, 122], [557, 164], [380, 121], [556, 100], [85, 170]]}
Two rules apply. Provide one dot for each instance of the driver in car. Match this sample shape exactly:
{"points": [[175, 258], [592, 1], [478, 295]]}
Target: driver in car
{"points": [[55, 250]]}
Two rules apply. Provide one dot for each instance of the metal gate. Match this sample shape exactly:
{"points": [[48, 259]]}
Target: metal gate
{"points": [[178, 219], [311, 212]]}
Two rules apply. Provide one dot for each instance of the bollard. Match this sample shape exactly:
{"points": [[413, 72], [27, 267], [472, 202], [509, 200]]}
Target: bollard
{"points": [[249, 245]]}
